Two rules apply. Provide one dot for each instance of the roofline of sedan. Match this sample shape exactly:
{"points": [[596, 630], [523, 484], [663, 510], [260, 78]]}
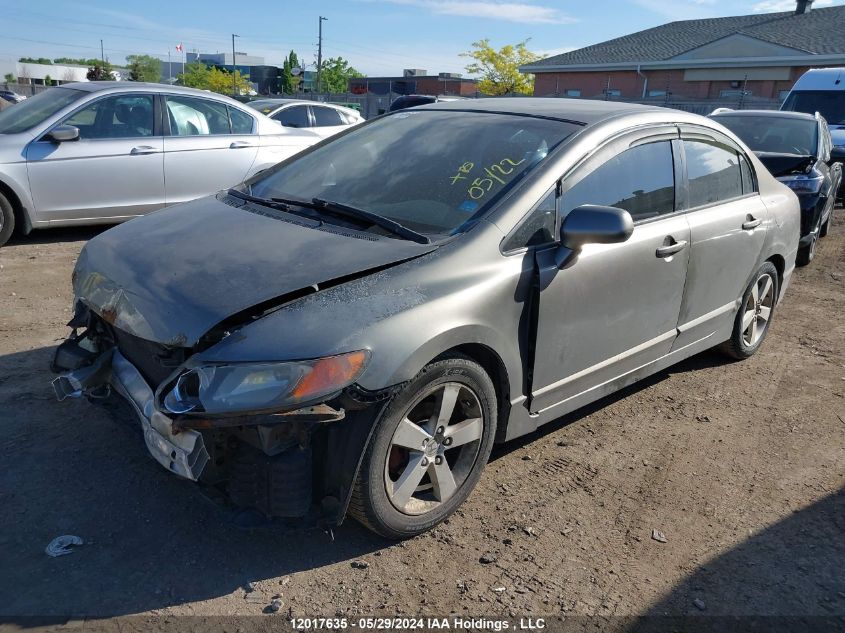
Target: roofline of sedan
{"points": [[475, 110]]}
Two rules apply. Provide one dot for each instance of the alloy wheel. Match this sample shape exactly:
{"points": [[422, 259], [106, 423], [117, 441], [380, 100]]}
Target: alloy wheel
{"points": [[434, 448], [757, 310]]}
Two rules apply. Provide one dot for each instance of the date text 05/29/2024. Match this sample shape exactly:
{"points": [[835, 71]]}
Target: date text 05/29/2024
{"points": [[414, 623]]}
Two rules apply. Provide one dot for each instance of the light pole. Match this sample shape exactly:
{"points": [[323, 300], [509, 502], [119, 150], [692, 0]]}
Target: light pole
{"points": [[320, 52], [234, 81]]}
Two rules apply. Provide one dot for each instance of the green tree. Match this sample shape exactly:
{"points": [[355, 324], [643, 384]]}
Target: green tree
{"points": [[48, 80], [143, 68], [335, 75], [288, 82], [198, 75], [101, 71], [34, 60], [76, 61], [499, 69], [10, 78]]}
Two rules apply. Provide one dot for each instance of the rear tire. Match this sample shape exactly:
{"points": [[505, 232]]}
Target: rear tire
{"points": [[826, 225], [806, 254], [427, 450], [755, 314], [7, 219]]}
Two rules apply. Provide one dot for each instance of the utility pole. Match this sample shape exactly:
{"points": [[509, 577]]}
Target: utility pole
{"points": [[102, 55], [320, 52], [234, 82]]}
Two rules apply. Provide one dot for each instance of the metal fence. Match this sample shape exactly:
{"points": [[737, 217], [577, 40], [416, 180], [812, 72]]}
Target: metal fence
{"points": [[370, 105]]}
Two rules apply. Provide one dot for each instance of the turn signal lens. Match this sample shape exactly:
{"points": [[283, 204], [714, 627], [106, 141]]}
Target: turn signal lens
{"points": [[329, 372]]}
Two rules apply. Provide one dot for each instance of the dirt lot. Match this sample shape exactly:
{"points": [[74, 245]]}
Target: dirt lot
{"points": [[740, 465]]}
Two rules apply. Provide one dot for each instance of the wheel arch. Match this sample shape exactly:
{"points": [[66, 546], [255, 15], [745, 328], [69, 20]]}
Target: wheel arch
{"points": [[23, 225], [494, 366], [779, 262]]}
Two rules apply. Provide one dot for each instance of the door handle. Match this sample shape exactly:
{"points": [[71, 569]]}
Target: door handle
{"points": [[751, 223], [143, 149], [240, 145], [670, 249]]}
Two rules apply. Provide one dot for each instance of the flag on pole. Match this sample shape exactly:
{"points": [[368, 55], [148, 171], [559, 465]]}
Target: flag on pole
{"points": [[179, 47]]}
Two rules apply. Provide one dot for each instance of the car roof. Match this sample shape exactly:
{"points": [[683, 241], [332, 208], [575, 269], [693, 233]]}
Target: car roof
{"points": [[139, 86], [583, 111], [774, 114]]}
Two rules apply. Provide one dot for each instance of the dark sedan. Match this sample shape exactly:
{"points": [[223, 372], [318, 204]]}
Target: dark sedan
{"points": [[353, 329], [796, 148]]}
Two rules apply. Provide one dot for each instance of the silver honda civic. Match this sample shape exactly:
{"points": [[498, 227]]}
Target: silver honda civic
{"points": [[352, 330]]}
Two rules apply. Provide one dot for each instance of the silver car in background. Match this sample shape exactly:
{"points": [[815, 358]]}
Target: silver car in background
{"points": [[104, 152], [325, 119]]}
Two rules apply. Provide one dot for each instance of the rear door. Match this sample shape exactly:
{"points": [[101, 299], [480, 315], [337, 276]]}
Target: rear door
{"points": [[615, 307], [209, 146], [327, 121], [114, 170], [728, 224], [295, 116]]}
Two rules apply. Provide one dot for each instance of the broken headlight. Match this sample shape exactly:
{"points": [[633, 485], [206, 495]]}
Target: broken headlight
{"points": [[262, 387]]}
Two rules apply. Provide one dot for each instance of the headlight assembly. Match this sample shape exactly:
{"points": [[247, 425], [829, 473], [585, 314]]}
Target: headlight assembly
{"points": [[239, 388], [801, 183]]}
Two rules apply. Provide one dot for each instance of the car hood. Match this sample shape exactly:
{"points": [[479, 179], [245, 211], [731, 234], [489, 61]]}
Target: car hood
{"points": [[173, 275], [784, 164]]}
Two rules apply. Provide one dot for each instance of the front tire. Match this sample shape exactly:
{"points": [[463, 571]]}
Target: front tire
{"points": [[7, 219], [428, 449], [755, 314]]}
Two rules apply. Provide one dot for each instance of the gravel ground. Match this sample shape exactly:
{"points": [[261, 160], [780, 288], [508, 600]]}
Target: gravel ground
{"points": [[741, 466]]}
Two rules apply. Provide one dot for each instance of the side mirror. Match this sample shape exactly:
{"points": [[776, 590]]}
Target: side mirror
{"points": [[62, 134], [593, 224]]}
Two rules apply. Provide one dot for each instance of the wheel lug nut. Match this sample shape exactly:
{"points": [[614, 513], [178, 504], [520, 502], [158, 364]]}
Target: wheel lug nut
{"points": [[425, 461], [447, 441], [440, 429], [438, 460]]}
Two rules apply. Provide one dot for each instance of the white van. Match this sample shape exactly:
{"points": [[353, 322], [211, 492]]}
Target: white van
{"points": [[822, 90]]}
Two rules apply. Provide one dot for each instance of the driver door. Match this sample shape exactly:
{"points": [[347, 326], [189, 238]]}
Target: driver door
{"points": [[114, 171], [614, 307]]}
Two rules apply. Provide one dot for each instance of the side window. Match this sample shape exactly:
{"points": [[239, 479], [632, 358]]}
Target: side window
{"points": [[640, 180], [538, 227], [242, 123], [326, 117], [747, 176], [713, 171], [196, 117], [295, 116], [120, 116]]}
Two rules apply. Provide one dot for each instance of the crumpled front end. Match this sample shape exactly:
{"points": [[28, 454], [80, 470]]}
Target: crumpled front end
{"points": [[261, 460], [183, 452]]}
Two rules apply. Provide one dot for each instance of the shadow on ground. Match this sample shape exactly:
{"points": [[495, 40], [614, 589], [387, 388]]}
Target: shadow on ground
{"points": [[786, 578], [62, 234]]}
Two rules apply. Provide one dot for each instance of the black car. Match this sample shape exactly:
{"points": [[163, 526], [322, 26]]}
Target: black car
{"points": [[796, 148]]}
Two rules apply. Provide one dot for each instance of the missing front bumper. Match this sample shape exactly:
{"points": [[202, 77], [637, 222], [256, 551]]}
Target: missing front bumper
{"points": [[182, 452]]}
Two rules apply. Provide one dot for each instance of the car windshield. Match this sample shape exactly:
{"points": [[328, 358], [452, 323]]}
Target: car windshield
{"points": [[27, 114], [429, 171], [777, 134], [829, 103]]}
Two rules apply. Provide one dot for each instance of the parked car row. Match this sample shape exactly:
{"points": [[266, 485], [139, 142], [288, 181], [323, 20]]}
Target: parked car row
{"points": [[104, 152], [351, 330], [797, 149]]}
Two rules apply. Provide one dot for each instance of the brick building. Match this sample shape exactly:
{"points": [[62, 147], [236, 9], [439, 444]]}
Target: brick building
{"points": [[715, 58]]}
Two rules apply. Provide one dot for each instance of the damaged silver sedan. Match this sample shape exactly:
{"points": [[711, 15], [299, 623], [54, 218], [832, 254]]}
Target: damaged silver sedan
{"points": [[352, 330]]}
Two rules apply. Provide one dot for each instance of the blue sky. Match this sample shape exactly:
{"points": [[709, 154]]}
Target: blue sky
{"points": [[379, 37]]}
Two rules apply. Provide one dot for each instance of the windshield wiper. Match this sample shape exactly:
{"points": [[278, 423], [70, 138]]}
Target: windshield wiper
{"points": [[274, 203], [378, 220]]}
